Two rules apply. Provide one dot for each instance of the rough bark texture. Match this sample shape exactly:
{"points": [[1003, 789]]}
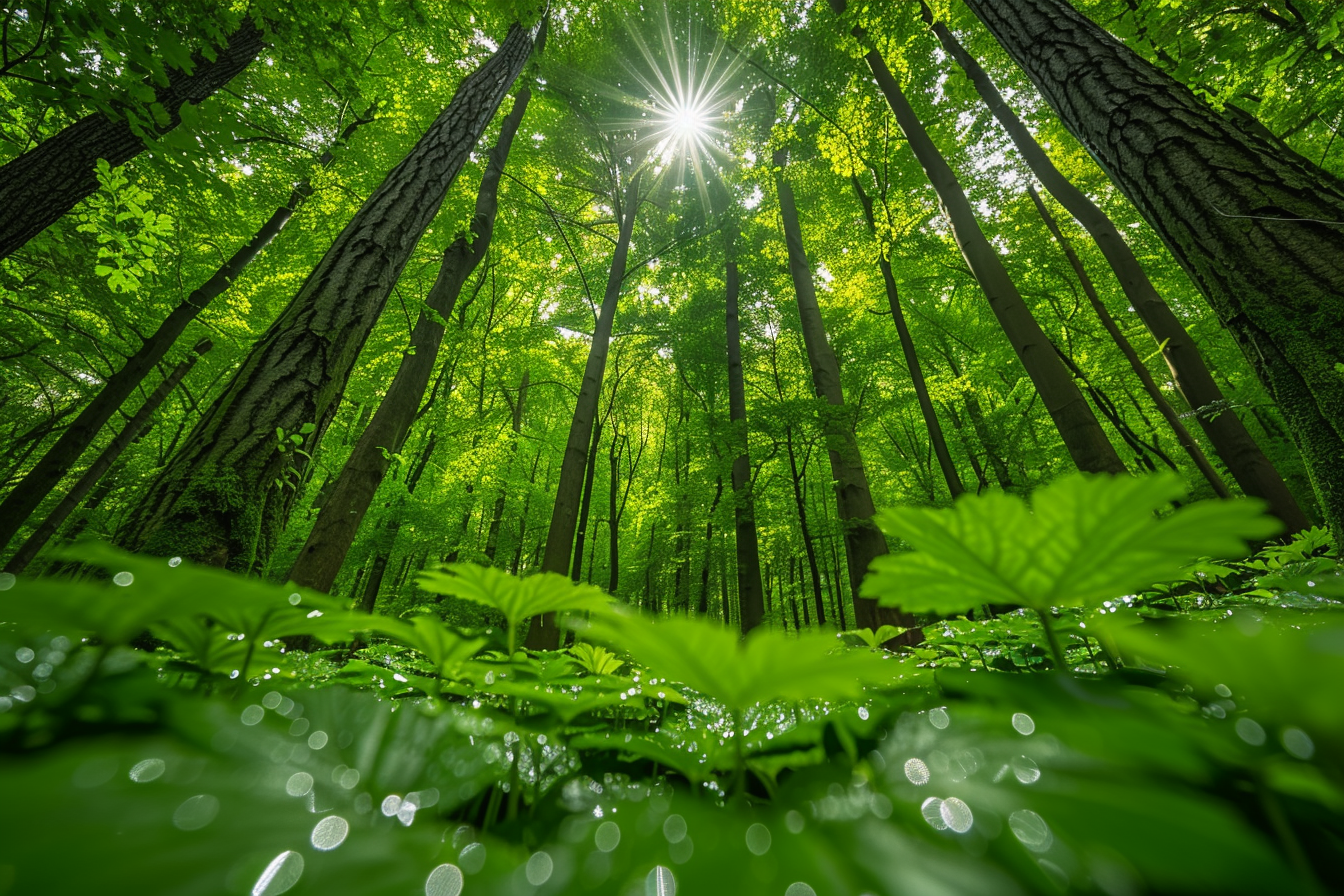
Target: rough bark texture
{"points": [[1183, 437], [348, 500], [750, 594], [544, 632], [854, 502], [41, 185], [1229, 437], [46, 474], [935, 429], [129, 433], [1245, 218], [208, 503], [1087, 444]]}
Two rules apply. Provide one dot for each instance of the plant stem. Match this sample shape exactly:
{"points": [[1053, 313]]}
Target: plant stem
{"points": [[1052, 638]]}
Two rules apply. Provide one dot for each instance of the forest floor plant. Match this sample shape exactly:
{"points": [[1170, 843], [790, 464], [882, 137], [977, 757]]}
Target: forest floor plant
{"points": [[1119, 714]]}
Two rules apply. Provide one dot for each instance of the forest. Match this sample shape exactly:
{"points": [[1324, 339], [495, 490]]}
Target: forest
{"points": [[641, 447]]}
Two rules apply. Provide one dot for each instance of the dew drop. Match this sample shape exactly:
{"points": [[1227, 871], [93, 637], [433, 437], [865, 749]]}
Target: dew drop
{"points": [[391, 805], [1250, 731], [349, 778], [272, 699], [147, 770], [674, 828], [956, 815], [608, 836], [1026, 770], [794, 821], [1023, 724], [1298, 743], [682, 850], [317, 740], [295, 599], [798, 888], [916, 772], [24, 654], [1031, 830], [472, 857], [1222, 690], [175, 562], [330, 832], [282, 874], [299, 784], [445, 880], [253, 714], [938, 718], [196, 812], [299, 728], [932, 810], [660, 882], [123, 579], [539, 868], [7, 580], [758, 839]]}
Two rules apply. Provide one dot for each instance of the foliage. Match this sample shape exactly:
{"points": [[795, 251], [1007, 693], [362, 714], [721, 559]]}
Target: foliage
{"points": [[129, 232]]}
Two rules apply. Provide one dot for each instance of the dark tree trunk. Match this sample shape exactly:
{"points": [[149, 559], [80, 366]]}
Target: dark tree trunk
{"points": [[1183, 437], [41, 185], [854, 503], [586, 503], [207, 503], [1087, 444], [1229, 437], [129, 433], [614, 517], [1246, 218], [702, 603], [544, 633], [751, 602], [65, 453], [810, 549], [935, 429]]}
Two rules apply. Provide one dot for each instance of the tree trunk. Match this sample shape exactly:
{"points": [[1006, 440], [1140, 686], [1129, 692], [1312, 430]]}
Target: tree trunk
{"points": [[1183, 437], [497, 517], [614, 518], [586, 503], [129, 433], [854, 503], [40, 186], [65, 453], [1087, 444], [750, 599], [702, 603], [939, 442], [207, 502], [810, 549], [1248, 220], [1228, 435], [544, 633]]}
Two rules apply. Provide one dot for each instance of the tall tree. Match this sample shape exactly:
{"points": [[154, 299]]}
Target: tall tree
{"points": [[46, 474], [544, 632], [864, 542], [329, 541], [220, 500], [1228, 435], [41, 185], [1091, 451], [1257, 227], [28, 551], [750, 594]]}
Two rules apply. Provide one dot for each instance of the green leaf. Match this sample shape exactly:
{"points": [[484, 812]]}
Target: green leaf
{"points": [[1084, 539]]}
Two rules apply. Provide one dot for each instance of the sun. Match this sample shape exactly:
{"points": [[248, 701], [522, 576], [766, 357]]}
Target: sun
{"points": [[688, 121]]}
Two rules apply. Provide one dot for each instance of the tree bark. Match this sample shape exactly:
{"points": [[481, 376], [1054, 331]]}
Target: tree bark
{"points": [[935, 429], [497, 517], [544, 633], [207, 503], [129, 433], [1183, 437], [750, 596], [864, 542], [1087, 444], [614, 517], [1254, 225], [47, 473], [40, 186], [1229, 437], [809, 548], [586, 503]]}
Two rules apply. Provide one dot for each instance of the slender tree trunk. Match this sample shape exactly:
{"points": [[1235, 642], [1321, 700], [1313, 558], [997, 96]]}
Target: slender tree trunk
{"points": [[386, 537], [497, 518], [544, 633], [1083, 437], [864, 542], [614, 519], [207, 503], [586, 503], [810, 549], [1228, 435], [702, 604], [936, 438], [751, 602], [1183, 437], [40, 186], [129, 433], [1248, 220], [65, 453]]}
